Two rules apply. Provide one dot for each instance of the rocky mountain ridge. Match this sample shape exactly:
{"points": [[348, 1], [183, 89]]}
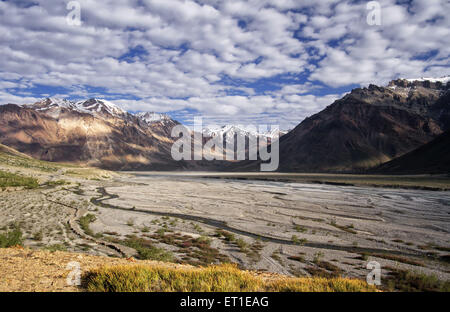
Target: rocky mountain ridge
{"points": [[367, 127]]}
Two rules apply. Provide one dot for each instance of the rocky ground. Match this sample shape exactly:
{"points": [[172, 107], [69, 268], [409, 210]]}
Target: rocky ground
{"points": [[27, 270], [287, 228]]}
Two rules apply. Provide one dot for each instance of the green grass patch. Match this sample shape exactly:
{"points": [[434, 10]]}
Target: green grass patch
{"points": [[56, 247], [396, 258], [85, 221], [147, 251], [11, 238], [402, 280], [229, 237], [56, 183], [8, 179], [346, 228], [299, 228], [194, 251]]}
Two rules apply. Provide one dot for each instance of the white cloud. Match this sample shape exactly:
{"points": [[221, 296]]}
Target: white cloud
{"points": [[189, 46]]}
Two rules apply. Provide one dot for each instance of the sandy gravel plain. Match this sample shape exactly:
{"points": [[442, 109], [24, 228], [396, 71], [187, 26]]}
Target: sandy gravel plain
{"points": [[296, 223], [280, 227]]}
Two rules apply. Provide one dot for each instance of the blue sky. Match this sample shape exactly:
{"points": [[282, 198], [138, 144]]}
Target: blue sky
{"points": [[235, 61]]}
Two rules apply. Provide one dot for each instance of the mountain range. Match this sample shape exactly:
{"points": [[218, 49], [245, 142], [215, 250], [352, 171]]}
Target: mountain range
{"points": [[92, 132], [368, 126], [364, 129]]}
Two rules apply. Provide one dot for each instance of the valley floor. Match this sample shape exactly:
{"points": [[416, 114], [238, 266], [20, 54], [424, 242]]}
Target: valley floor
{"points": [[283, 227]]}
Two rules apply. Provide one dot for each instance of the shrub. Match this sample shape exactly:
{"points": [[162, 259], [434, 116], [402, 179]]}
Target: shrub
{"points": [[402, 280], [147, 251], [84, 223], [11, 238]]}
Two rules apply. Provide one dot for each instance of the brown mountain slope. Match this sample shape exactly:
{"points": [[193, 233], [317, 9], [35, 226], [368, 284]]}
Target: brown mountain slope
{"points": [[67, 135], [11, 152], [431, 158], [367, 127]]}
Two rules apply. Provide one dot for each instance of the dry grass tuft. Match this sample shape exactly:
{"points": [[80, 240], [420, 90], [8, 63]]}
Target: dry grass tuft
{"points": [[219, 278]]}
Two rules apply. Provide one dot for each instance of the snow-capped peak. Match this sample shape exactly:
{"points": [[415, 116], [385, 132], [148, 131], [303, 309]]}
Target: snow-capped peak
{"points": [[230, 130], [442, 80], [60, 102], [49, 103], [99, 106], [152, 117]]}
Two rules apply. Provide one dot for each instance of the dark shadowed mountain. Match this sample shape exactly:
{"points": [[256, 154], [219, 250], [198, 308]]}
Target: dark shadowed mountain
{"points": [[367, 127], [431, 158]]}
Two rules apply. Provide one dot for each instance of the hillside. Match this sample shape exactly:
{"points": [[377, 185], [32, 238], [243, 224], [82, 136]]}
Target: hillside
{"points": [[11, 152], [431, 158], [93, 133], [367, 127]]}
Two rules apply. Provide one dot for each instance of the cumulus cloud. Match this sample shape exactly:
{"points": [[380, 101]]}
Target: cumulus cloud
{"points": [[236, 59]]}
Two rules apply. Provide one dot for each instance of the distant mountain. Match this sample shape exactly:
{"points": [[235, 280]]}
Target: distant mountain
{"points": [[95, 107], [230, 131], [232, 134], [152, 117], [160, 125], [93, 132], [96, 132], [368, 126], [431, 158]]}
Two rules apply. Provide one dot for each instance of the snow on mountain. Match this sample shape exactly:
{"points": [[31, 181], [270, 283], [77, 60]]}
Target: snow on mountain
{"points": [[443, 80], [103, 108], [151, 117], [92, 106], [49, 103], [229, 131], [96, 107], [99, 106]]}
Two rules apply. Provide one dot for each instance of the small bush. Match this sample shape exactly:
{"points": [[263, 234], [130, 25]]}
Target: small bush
{"points": [[11, 238], [300, 229], [401, 280], [318, 257], [229, 237], [241, 244], [298, 241], [84, 223], [147, 251]]}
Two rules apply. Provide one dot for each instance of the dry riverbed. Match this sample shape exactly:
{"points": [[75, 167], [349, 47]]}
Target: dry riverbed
{"points": [[284, 227]]}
